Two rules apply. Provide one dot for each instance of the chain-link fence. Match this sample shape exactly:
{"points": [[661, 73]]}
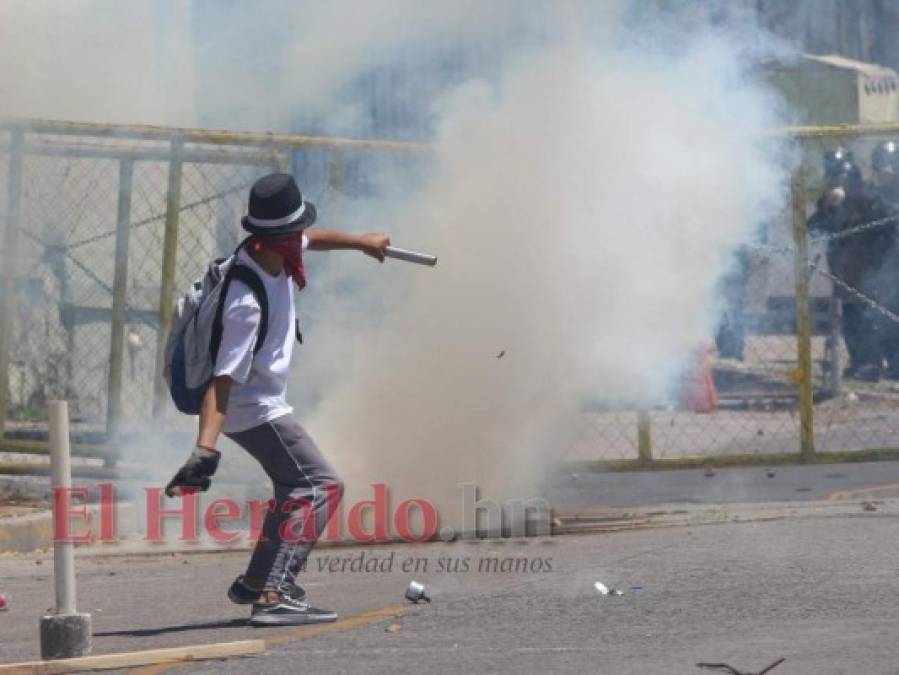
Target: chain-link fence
{"points": [[738, 394], [102, 228], [863, 411], [805, 362]]}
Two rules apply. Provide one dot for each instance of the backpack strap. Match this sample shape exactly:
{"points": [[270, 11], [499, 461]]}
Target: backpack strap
{"points": [[242, 244], [252, 281]]}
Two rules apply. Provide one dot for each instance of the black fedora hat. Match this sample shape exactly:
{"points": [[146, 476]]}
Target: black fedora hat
{"points": [[276, 207]]}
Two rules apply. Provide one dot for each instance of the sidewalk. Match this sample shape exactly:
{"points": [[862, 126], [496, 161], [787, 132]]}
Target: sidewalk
{"points": [[652, 497]]}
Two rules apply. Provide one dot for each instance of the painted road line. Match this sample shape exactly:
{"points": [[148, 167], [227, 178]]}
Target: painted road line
{"points": [[840, 495], [300, 633], [171, 655]]}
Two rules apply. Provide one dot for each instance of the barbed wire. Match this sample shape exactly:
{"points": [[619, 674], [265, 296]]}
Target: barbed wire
{"points": [[859, 295], [66, 250], [770, 248], [864, 227], [834, 279], [161, 216], [825, 238]]}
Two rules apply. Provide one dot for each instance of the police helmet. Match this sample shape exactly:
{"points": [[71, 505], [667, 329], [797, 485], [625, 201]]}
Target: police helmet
{"points": [[847, 175], [886, 156], [834, 160]]}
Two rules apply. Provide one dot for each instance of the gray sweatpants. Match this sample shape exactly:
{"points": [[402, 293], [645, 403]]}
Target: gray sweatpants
{"points": [[307, 491]]}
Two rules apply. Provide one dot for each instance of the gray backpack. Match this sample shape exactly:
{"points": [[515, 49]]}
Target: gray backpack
{"points": [[193, 343]]}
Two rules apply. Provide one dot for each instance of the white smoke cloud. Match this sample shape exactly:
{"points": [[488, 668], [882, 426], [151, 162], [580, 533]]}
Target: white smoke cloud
{"points": [[587, 191], [97, 61], [258, 66], [584, 205]]}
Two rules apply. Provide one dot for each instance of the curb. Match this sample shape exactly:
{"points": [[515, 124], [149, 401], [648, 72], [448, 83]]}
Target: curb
{"points": [[34, 531], [21, 534], [601, 520]]}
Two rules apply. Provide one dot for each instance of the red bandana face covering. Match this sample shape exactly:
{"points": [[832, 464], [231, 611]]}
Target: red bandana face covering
{"points": [[290, 248]]}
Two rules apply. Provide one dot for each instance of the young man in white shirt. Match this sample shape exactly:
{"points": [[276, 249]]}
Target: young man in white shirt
{"points": [[246, 401]]}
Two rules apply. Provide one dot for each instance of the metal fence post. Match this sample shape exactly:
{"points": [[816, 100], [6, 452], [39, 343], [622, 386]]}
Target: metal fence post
{"points": [[335, 192], [335, 172], [803, 317], [284, 161], [10, 264], [644, 437], [64, 632], [835, 374], [61, 479], [169, 256], [119, 290]]}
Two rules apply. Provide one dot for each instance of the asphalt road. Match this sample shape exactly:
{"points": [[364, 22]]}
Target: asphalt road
{"points": [[822, 592]]}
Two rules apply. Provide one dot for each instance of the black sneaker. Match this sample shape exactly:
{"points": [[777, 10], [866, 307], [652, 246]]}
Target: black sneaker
{"points": [[289, 612], [241, 594]]}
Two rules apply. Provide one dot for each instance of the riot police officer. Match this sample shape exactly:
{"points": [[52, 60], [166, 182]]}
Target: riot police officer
{"points": [[855, 259]]}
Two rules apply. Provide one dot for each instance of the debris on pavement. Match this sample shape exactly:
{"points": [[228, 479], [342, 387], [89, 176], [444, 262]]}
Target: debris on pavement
{"points": [[724, 668], [869, 506], [416, 592], [501, 354], [602, 589], [4, 602], [709, 472], [393, 628], [770, 473]]}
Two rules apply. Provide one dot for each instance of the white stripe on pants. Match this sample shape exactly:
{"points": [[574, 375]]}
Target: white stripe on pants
{"points": [[306, 486]]}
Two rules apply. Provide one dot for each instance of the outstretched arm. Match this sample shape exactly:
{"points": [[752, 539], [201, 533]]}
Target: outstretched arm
{"points": [[372, 244]]}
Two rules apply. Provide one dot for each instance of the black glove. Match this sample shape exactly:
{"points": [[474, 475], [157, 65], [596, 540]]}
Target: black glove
{"points": [[195, 473]]}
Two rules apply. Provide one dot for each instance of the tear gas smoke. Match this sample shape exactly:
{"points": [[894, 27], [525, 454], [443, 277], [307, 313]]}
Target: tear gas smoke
{"points": [[587, 190], [584, 204]]}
